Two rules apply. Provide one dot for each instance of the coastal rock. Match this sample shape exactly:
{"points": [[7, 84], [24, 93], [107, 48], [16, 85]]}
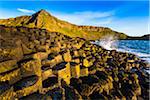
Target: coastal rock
{"points": [[52, 65]]}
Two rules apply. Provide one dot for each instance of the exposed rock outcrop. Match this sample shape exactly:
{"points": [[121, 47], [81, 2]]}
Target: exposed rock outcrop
{"points": [[54, 66]]}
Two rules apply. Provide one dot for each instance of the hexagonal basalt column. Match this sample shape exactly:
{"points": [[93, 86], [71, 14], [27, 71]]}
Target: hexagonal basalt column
{"points": [[49, 84], [75, 70], [46, 74], [83, 71], [63, 71], [86, 63], [52, 60], [76, 60], [54, 49], [27, 86], [66, 55]]}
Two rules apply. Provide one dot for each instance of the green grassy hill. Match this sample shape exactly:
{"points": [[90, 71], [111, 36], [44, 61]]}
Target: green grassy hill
{"points": [[44, 20]]}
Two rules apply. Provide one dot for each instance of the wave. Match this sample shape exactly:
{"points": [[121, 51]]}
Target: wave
{"points": [[143, 56], [111, 43], [107, 42]]}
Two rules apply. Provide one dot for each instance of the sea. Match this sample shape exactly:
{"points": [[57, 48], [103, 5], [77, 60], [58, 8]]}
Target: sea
{"points": [[141, 48]]}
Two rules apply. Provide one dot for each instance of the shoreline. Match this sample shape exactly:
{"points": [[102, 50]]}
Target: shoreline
{"points": [[57, 63]]}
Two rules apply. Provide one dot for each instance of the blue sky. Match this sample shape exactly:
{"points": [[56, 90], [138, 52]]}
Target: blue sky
{"points": [[130, 17]]}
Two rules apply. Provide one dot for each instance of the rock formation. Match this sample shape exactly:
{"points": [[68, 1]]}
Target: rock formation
{"points": [[39, 64]]}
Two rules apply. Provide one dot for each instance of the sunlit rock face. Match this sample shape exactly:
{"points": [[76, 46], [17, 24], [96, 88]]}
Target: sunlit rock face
{"points": [[38, 63]]}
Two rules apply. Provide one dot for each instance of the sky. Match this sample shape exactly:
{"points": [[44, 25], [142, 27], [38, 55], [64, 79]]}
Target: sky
{"points": [[129, 17]]}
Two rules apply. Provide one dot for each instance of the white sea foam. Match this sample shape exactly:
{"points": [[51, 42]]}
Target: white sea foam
{"points": [[143, 56], [107, 42], [111, 43]]}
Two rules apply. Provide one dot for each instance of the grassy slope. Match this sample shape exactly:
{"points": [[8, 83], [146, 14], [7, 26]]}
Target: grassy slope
{"points": [[44, 20]]}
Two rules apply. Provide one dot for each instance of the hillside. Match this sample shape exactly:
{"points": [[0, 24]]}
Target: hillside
{"points": [[144, 37], [44, 20]]}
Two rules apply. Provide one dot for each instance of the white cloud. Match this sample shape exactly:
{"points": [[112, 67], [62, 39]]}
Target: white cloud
{"points": [[25, 10], [86, 18], [130, 25]]}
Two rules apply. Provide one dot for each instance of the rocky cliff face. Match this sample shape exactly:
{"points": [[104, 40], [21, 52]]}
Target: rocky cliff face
{"points": [[44, 20], [39, 64]]}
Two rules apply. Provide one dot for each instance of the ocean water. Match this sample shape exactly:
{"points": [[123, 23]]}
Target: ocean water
{"points": [[141, 48]]}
